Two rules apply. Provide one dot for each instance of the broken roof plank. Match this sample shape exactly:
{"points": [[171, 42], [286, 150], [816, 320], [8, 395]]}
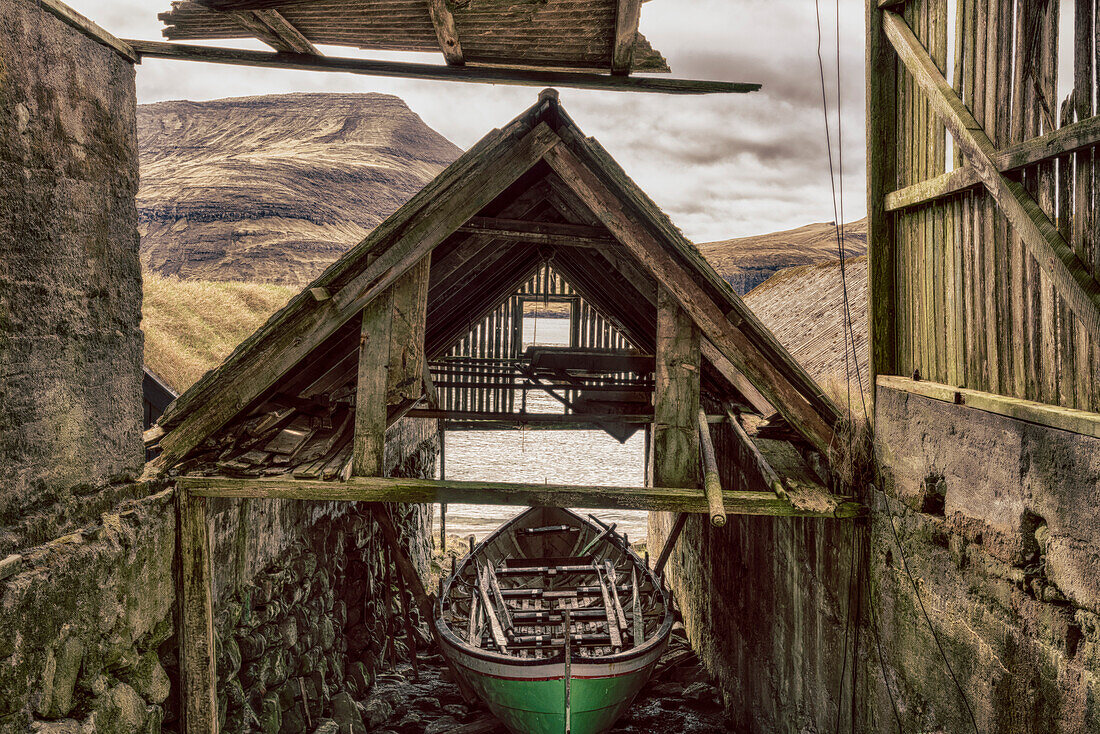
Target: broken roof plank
{"points": [[408, 70], [446, 32], [74, 19], [396, 489]]}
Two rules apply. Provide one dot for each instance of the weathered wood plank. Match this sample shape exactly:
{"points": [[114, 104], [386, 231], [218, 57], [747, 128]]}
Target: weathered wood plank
{"points": [[1067, 419], [195, 609], [1072, 279], [406, 70], [393, 489], [544, 233], [446, 32], [72, 18], [627, 15]]}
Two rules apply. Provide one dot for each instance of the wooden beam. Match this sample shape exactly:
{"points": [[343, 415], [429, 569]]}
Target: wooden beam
{"points": [[712, 482], [759, 463], [881, 178], [627, 15], [286, 32], [1073, 281], [736, 378], [1073, 420], [369, 442], [1069, 139], [250, 4], [446, 32], [406, 70], [394, 489], [472, 415], [297, 330], [195, 610], [543, 233], [74, 19], [775, 384]]}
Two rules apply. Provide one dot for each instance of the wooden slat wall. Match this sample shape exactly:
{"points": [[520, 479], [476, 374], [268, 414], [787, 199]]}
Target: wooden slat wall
{"points": [[499, 336], [973, 307]]}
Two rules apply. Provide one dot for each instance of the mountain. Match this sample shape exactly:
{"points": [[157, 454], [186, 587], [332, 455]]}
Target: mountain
{"points": [[275, 188], [747, 262]]}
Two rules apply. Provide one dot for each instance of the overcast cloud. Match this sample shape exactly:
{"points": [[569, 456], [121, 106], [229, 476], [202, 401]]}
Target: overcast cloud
{"points": [[722, 165]]}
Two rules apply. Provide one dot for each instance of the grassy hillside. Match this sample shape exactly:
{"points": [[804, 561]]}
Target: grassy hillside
{"points": [[192, 325]]}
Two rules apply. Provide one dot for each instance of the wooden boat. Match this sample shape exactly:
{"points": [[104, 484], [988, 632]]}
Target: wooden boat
{"points": [[555, 622]]}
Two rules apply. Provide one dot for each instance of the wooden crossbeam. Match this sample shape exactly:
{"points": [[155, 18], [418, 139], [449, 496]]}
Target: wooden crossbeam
{"points": [[395, 489], [1065, 140], [627, 15], [1073, 281], [544, 233], [474, 415], [446, 32], [407, 70]]}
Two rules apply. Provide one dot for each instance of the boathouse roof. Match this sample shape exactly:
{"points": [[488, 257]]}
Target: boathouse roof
{"points": [[533, 197]]}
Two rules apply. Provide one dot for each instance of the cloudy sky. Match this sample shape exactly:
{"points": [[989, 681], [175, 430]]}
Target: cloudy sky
{"points": [[721, 165]]}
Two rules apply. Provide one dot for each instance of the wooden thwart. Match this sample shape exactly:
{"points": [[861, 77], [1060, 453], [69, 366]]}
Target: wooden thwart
{"points": [[198, 696], [394, 489]]}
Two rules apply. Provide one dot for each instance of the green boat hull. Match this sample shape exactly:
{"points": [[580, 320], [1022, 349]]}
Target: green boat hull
{"points": [[538, 706]]}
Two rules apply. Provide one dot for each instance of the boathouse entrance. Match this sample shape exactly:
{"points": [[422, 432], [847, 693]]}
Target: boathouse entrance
{"points": [[419, 323]]}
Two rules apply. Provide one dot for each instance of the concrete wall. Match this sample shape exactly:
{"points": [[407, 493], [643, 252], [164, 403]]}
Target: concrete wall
{"points": [[999, 523], [70, 283]]}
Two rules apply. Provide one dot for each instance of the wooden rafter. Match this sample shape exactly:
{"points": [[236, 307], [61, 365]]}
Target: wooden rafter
{"points": [[394, 489], [446, 32], [627, 15], [790, 399], [1073, 281], [406, 70]]}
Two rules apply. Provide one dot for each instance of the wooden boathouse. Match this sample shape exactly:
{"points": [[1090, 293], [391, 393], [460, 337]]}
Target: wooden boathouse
{"points": [[301, 409]]}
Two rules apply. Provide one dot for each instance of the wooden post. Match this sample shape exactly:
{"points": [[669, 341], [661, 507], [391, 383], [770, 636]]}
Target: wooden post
{"points": [[391, 363], [712, 482], [370, 397], [675, 440], [195, 604], [881, 180]]}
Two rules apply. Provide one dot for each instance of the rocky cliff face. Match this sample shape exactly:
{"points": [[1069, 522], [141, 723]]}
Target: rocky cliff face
{"points": [[275, 188], [747, 262]]}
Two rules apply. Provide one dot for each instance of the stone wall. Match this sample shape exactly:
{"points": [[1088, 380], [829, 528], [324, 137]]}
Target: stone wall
{"points": [[87, 633], [998, 523], [70, 283]]}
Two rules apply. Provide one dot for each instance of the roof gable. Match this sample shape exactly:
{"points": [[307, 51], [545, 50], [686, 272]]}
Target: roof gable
{"points": [[540, 176]]}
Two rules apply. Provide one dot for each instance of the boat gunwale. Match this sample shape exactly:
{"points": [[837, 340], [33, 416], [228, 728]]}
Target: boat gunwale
{"points": [[659, 637]]}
